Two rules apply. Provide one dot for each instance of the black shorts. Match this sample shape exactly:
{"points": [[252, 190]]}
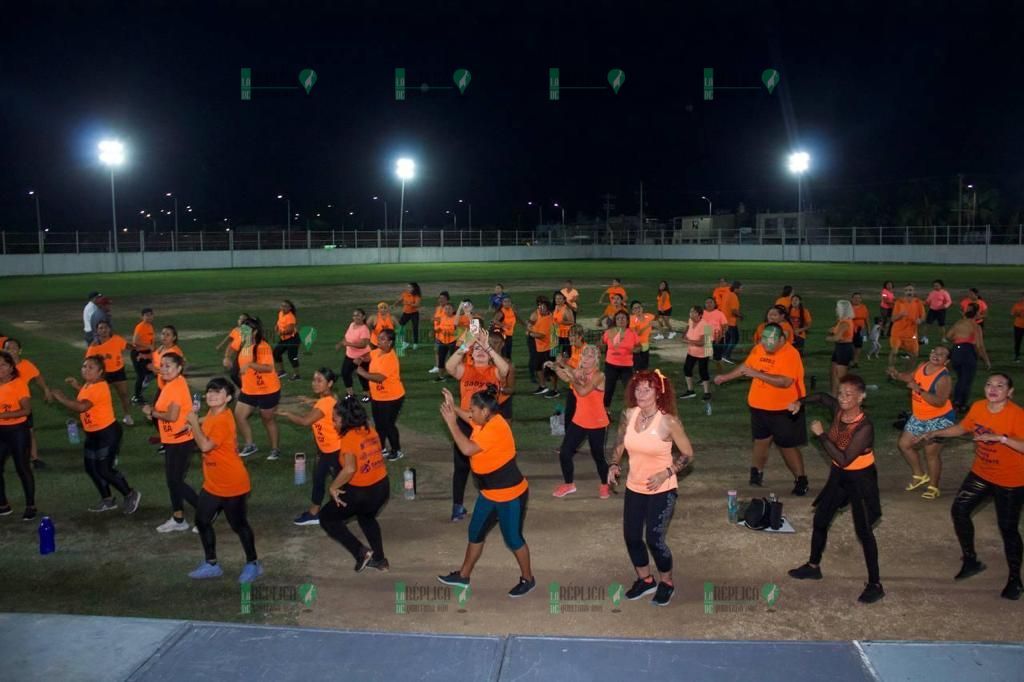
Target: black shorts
{"points": [[843, 353], [263, 402], [786, 429], [667, 312], [858, 338], [885, 313], [936, 316], [114, 377]]}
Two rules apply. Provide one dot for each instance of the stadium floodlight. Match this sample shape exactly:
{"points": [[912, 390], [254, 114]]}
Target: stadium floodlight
{"points": [[799, 163], [405, 169], [112, 155]]}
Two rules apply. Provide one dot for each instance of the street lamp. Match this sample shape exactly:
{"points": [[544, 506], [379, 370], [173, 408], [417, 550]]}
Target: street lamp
{"points": [[288, 211], [709, 204], [799, 162], [39, 220], [540, 212], [405, 169], [563, 213], [112, 155], [381, 199], [455, 217], [470, 212], [169, 194]]}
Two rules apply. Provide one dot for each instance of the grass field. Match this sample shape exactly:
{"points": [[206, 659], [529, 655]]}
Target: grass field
{"points": [[109, 564]]}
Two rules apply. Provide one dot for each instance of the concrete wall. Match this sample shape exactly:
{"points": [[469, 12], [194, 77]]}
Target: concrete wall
{"points": [[60, 263]]}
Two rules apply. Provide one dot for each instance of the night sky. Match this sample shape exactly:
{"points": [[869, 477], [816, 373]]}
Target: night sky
{"points": [[886, 97]]}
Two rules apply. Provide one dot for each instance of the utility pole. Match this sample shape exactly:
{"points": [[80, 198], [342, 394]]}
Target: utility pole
{"points": [[641, 207], [609, 206], [960, 201]]}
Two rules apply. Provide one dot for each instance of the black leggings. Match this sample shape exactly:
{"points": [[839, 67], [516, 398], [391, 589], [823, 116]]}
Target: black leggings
{"points": [[1018, 336], [444, 350], [964, 360], [642, 360], [385, 419], [702, 366], [732, 337], [327, 464], [1008, 501], [100, 454], [570, 406], [574, 437], [234, 509], [289, 346], [415, 319], [15, 443], [612, 374], [460, 466], [859, 489], [363, 503], [348, 368], [141, 365], [235, 374], [177, 457], [653, 512]]}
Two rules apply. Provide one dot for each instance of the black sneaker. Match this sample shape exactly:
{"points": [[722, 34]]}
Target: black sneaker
{"points": [[552, 394], [641, 588], [872, 593], [541, 390], [363, 561], [687, 395], [706, 396], [28, 514], [454, 579], [971, 567], [38, 464], [800, 486], [756, 477], [806, 572], [1013, 589], [379, 564], [663, 595], [6, 510], [523, 588]]}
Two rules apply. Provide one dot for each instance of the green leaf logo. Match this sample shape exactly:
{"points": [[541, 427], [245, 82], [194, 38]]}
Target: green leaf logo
{"points": [[307, 77], [462, 78], [307, 593], [615, 594], [770, 593], [616, 77], [770, 78]]}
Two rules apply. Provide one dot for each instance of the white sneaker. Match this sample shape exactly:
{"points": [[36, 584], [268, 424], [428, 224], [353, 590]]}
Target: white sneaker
{"points": [[659, 337], [128, 421], [172, 525], [433, 370], [728, 361], [924, 340], [671, 335]]}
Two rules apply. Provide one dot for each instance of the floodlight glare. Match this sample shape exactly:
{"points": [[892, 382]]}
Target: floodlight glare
{"points": [[405, 169], [111, 152], [799, 162]]}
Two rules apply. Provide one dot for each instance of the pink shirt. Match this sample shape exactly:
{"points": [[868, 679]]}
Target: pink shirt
{"points": [[695, 332], [938, 300], [355, 334], [620, 354], [716, 318], [888, 298], [648, 454]]}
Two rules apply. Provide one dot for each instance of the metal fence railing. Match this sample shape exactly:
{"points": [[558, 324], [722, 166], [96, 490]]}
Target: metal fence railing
{"points": [[136, 241]]}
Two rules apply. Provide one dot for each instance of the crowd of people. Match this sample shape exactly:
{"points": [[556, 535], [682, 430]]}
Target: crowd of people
{"points": [[474, 347]]}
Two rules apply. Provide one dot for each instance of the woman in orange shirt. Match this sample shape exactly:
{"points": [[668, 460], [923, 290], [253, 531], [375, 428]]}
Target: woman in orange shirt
{"points": [[261, 389], [111, 347], [102, 435], [28, 372], [410, 301], [1017, 313], [564, 319], [442, 300], [380, 321], [387, 393], [444, 335], [842, 336], [997, 426], [589, 421], [357, 344], [143, 339], [287, 330], [504, 491], [232, 344], [325, 436], [641, 324], [539, 332], [360, 490], [614, 290], [226, 484], [15, 409], [615, 306], [507, 316], [860, 326], [664, 312], [775, 315], [619, 342], [170, 412], [648, 428], [800, 319]]}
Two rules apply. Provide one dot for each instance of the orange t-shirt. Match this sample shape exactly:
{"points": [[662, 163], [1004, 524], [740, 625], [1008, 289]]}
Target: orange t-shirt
{"points": [[575, 353], [224, 472], [508, 323], [235, 342], [475, 379], [906, 327], [364, 443], [11, 394], [982, 308], [383, 321], [257, 382], [784, 301], [797, 320], [27, 371], [612, 290], [445, 329], [717, 293], [860, 317], [997, 463], [1018, 314], [112, 350], [637, 322], [497, 447], [729, 306], [145, 333], [159, 353], [843, 331], [542, 326], [410, 302], [324, 433], [438, 312], [611, 310], [387, 364], [921, 409], [664, 301], [178, 431], [559, 316], [785, 361], [101, 414], [284, 320]]}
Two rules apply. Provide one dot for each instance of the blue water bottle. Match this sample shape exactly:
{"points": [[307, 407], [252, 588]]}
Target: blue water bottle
{"points": [[47, 536], [732, 506], [73, 437]]}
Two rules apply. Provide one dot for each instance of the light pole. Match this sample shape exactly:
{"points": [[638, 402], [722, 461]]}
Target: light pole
{"points": [[383, 201], [470, 213], [455, 217], [709, 204], [112, 155], [39, 220], [288, 211], [405, 169], [169, 194], [563, 213], [540, 212], [974, 205], [799, 162]]}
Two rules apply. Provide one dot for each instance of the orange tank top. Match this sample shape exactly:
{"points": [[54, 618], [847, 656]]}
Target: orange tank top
{"points": [[922, 410], [383, 322], [590, 412], [648, 454]]}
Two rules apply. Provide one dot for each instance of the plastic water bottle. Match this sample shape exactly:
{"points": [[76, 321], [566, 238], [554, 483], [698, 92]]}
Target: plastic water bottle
{"points": [[47, 536], [872, 387], [409, 483], [73, 437], [707, 407], [734, 507], [300, 468], [196, 402]]}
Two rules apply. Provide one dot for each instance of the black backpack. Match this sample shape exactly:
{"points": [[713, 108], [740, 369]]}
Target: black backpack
{"points": [[762, 514]]}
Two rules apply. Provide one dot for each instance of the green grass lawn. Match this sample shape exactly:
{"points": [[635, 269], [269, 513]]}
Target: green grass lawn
{"points": [[112, 565]]}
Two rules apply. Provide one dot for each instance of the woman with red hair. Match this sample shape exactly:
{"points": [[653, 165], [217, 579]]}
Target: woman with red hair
{"points": [[648, 428]]}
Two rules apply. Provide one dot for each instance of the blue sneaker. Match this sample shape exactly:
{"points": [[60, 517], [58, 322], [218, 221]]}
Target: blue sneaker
{"points": [[252, 570], [307, 519], [458, 512], [205, 571]]}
